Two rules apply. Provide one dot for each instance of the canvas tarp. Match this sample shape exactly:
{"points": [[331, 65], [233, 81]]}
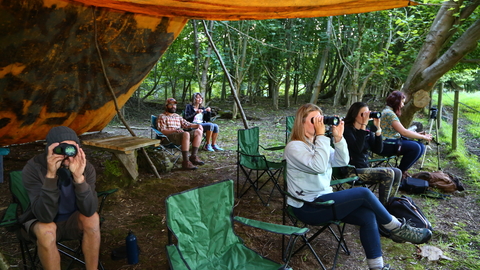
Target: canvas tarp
{"points": [[50, 68]]}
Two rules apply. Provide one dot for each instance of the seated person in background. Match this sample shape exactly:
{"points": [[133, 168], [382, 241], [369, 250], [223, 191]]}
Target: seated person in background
{"points": [[171, 124], [197, 114], [396, 136], [310, 158], [360, 140], [63, 201]]}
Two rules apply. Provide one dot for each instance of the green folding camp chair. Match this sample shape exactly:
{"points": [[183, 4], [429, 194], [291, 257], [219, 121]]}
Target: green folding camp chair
{"points": [[335, 226], [28, 248], [289, 120], [254, 165], [170, 148], [201, 219]]}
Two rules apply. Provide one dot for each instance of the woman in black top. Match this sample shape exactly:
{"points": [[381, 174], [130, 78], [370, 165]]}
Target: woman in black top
{"points": [[360, 140]]}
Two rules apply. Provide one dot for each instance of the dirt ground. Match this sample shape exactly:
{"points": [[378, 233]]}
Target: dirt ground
{"points": [[140, 206]]}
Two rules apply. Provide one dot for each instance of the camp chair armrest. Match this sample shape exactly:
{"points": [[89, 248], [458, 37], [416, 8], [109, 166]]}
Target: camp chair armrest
{"points": [[273, 148], [344, 180], [10, 216], [271, 227], [245, 154]]}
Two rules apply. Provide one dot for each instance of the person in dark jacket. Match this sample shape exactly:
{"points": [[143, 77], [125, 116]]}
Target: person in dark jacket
{"points": [[196, 113], [63, 200], [360, 141]]}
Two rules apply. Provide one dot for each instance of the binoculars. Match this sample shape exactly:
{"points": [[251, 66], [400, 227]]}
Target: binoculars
{"points": [[375, 115], [65, 149], [329, 120]]}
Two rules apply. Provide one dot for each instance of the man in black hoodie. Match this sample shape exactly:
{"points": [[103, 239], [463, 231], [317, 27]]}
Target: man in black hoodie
{"points": [[63, 203]]}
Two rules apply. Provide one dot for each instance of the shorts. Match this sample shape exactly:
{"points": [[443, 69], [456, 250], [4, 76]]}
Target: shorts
{"points": [[66, 230], [176, 138]]}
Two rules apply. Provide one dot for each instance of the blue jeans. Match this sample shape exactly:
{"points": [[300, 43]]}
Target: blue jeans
{"points": [[210, 127], [357, 206], [411, 151]]}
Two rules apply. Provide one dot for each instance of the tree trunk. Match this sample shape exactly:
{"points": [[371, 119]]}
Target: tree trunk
{"points": [[321, 69], [430, 65]]}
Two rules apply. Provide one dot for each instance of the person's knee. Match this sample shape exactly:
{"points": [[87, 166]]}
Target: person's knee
{"points": [[198, 133], [46, 233], [91, 223]]}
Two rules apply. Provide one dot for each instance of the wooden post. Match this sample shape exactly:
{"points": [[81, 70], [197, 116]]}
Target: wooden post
{"points": [[455, 121], [439, 107]]}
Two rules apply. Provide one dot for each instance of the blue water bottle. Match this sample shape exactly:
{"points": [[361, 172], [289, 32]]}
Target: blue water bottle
{"points": [[132, 248]]}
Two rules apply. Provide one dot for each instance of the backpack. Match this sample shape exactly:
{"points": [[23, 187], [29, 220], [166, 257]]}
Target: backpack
{"points": [[443, 181], [413, 185]]}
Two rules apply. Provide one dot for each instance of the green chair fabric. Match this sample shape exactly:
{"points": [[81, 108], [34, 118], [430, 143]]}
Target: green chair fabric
{"points": [[170, 148], [289, 120], [201, 220], [254, 165], [19, 204]]}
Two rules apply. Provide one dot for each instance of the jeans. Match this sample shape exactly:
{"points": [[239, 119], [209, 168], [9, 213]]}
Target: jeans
{"points": [[210, 127], [357, 206], [411, 151]]}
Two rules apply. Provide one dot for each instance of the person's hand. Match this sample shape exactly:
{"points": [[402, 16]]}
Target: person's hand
{"points": [[376, 122], [365, 117], [199, 111], [54, 161], [77, 165], [319, 125], [427, 137], [337, 131], [179, 130], [208, 109]]}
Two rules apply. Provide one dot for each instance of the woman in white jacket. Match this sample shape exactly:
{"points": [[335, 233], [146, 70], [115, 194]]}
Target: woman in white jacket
{"points": [[310, 159]]}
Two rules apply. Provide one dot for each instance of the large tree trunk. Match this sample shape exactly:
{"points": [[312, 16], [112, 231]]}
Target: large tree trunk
{"points": [[321, 69], [430, 65]]}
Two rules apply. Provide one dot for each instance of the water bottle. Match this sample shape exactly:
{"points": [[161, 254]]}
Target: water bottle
{"points": [[132, 248]]}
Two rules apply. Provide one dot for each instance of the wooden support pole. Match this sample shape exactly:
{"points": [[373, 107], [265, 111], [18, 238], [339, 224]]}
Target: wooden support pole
{"points": [[455, 120]]}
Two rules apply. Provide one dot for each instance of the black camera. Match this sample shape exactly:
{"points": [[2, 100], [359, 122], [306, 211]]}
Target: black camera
{"points": [[65, 149], [433, 113], [330, 120]]}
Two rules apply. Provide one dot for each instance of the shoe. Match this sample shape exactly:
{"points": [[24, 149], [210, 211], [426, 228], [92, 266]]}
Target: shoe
{"points": [[408, 233], [208, 147], [217, 148], [385, 267], [196, 160], [187, 165]]}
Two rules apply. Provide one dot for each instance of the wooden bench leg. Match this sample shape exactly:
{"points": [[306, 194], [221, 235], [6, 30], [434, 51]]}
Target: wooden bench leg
{"points": [[129, 161]]}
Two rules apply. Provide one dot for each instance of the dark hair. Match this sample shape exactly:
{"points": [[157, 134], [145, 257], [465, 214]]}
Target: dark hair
{"points": [[353, 112], [195, 96], [394, 100]]}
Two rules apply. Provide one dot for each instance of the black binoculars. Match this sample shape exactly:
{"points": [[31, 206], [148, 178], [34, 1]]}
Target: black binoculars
{"points": [[375, 115], [65, 149], [329, 120]]}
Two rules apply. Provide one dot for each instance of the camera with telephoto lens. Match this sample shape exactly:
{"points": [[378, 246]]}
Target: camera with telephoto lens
{"points": [[433, 113], [375, 115], [65, 149], [330, 120]]}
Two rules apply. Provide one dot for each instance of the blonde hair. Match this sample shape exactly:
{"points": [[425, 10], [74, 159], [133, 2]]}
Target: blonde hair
{"points": [[298, 133]]}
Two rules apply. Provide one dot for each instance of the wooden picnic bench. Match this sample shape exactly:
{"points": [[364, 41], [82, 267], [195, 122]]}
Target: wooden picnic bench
{"points": [[124, 148]]}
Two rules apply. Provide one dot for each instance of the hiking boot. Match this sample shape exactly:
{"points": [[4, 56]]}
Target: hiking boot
{"points": [[196, 160], [208, 147], [385, 267], [187, 165], [408, 233], [217, 148]]}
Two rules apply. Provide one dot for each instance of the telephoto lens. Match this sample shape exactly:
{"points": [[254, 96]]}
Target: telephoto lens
{"points": [[375, 115], [65, 149]]}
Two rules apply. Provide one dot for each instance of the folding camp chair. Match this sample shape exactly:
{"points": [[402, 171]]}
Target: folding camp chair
{"points": [[201, 219], [166, 145], [255, 165], [289, 120], [335, 226], [10, 221]]}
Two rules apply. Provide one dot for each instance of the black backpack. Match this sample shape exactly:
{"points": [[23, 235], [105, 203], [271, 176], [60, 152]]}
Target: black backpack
{"points": [[404, 207]]}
